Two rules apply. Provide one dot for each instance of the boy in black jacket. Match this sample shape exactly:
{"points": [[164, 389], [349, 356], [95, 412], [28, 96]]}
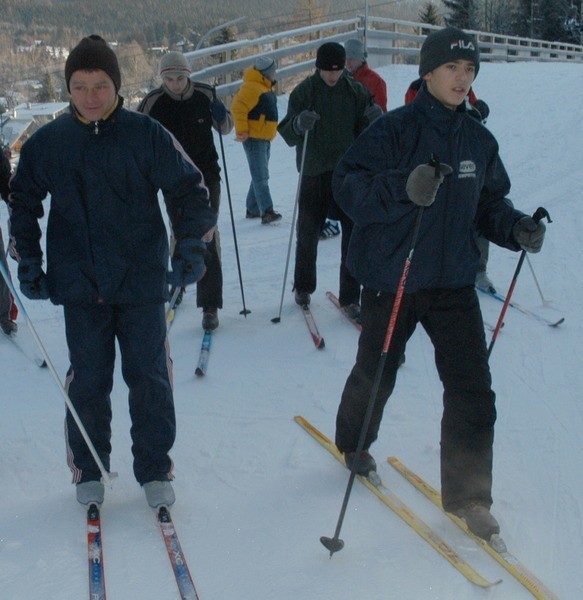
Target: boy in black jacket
{"points": [[382, 183], [190, 111]]}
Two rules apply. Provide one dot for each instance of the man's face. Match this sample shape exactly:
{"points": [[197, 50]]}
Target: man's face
{"points": [[451, 82], [353, 64], [331, 77], [92, 93], [175, 83]]}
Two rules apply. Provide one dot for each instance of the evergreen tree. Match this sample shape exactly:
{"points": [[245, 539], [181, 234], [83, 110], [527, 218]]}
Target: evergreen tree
{"points": [[47, 92], [462, 13], [541, 19], [430, 14], [553, 14], [498, 16]]}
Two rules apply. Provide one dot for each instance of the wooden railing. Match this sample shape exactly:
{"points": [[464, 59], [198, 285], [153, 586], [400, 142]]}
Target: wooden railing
{"points": [[388, 41]]}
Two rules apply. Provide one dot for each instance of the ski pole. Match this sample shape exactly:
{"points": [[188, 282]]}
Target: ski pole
{"points": [[334, 544], [291, 232], [539, 214], [245, 310], [107, 477], [545, 301]]}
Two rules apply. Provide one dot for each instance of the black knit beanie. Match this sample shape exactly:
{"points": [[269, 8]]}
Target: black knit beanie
{"points": [[447, 45], [93, 53], [331, 56]]}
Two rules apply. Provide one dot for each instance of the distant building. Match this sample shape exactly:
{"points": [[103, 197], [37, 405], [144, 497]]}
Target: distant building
{"points": [[18, 124]]}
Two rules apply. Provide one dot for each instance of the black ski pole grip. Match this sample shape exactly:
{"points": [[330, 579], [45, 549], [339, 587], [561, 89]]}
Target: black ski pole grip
{"points": [[541, 213]]}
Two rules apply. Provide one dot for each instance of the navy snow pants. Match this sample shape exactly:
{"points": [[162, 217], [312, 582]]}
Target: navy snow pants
{"points": [[140, 330]]}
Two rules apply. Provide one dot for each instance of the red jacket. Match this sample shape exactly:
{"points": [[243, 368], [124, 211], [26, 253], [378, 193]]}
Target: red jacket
{"points": [[374, 83]]}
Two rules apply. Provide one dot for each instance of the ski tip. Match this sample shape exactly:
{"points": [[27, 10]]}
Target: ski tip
{"points": [[557, 323], [199, 372], [321, 344]]}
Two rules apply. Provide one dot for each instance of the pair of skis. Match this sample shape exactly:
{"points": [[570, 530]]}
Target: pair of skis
{"points": [[317, 337], [503, 556], [182, 575]]}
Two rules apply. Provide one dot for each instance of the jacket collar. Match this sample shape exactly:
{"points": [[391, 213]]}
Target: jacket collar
{"points": [[443, 117], [116, 106]]}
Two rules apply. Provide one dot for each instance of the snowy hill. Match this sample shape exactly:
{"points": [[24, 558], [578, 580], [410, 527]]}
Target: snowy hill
{"points": [[254, 492]]}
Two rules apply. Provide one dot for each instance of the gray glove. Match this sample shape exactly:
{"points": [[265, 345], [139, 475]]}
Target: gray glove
{"points": [[529, 234], [305, 121], [373, 112], [422, 183]]}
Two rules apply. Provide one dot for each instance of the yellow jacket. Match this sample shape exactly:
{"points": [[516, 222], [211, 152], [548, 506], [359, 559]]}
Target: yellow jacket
{"points": [[254, 106]]}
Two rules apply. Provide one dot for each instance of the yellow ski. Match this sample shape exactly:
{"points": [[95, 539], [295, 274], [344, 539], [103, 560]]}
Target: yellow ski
{"points": [[397, 505], [536, 587]]}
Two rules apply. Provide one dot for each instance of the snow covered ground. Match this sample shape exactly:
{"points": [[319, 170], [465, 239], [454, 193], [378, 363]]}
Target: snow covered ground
{"points": [[254, 492]]}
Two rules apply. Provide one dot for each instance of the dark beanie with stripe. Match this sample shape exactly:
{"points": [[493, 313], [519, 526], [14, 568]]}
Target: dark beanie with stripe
{"points": [[90, 54], [447, 45], [331, 56]]}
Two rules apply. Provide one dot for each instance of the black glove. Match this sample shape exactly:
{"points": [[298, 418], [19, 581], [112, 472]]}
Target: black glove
{"points": [[529, 234], [422, 184], [305, 121], [33, 281], [373, 112], [218, 111], [187, 262]]}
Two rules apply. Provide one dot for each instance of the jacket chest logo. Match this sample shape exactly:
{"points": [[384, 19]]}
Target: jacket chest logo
{"points": [[467, 169]]}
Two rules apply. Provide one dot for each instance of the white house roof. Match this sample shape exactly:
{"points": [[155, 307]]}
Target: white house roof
{"points": [[13, 129], [39, 109]]}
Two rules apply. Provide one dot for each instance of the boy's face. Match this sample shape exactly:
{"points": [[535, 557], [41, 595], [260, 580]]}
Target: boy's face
{"points": [[331, 78], [451, 82], [92, 93], [353, 64], [175, 83]]}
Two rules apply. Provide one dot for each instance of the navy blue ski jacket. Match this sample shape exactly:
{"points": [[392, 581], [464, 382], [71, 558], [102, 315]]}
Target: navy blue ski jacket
{"points": [[369, 184], [106, 240]]}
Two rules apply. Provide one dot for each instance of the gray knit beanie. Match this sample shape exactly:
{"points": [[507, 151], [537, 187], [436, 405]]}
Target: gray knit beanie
{"points": [[447, 45], [174, 63], [355, 49], [266, 66]]}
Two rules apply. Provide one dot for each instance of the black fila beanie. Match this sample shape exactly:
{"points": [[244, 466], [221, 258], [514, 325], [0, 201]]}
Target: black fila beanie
{"points": [[447, 45]]}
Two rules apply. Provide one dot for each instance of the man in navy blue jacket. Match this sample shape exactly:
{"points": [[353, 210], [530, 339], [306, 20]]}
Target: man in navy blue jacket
{"points": [[381, 183], [107, 260]]}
